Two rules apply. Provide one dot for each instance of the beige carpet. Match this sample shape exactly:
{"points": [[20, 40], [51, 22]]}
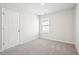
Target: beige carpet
{"points": [[42, 47]]}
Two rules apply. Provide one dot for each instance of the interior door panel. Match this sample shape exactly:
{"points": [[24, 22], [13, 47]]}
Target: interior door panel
{"points": [[9, 28]]}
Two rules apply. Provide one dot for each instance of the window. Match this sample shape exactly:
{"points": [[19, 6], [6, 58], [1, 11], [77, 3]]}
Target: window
{"points": [[45, 25]]}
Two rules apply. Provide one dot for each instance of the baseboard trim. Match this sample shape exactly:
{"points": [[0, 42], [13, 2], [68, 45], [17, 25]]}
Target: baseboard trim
{"points": [[30, 39], [77, 47], [1, 50], [20, 44], [27, 41], [60, 41], [8, 48], [64, 41]]}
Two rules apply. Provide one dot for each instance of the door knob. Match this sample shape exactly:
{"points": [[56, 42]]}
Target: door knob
{"points": [[18, 30]]}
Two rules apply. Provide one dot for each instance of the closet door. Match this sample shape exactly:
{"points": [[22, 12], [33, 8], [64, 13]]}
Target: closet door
{"points": [[10, 21]]}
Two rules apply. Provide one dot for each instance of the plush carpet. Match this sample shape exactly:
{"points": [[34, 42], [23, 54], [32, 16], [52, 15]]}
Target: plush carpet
{"points": [[42, 47]]}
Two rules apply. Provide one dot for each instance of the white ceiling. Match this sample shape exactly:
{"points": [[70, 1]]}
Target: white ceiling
{"points": [[37, 8]]}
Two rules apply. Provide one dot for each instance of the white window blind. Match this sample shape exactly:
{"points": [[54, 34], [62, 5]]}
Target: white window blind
{"points": [[45, 25]]}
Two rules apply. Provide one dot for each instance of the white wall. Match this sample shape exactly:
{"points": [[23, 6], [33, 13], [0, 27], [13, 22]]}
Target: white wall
{"points": [[61, 25], [77, 27], [29, 27], [0, 28]]}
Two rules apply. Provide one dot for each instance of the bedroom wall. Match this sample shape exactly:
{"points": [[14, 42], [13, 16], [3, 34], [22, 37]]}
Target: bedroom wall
{"points": [[61, 26], [29, 27], [0, 28], [77, 27]]}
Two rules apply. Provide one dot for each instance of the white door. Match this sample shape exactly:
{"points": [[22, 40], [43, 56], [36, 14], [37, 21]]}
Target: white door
{"points": [[10, 34]]}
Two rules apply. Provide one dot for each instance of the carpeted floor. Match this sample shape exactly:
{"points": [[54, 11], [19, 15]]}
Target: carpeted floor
{"points": [[42, 47]]}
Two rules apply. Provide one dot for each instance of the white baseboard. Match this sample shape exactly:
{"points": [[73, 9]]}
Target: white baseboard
{"points": [[8, 48], [30, 39], [77, 47], [27, 41], [60, 41], [63, 41], [33, 38], [1, 50]]}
